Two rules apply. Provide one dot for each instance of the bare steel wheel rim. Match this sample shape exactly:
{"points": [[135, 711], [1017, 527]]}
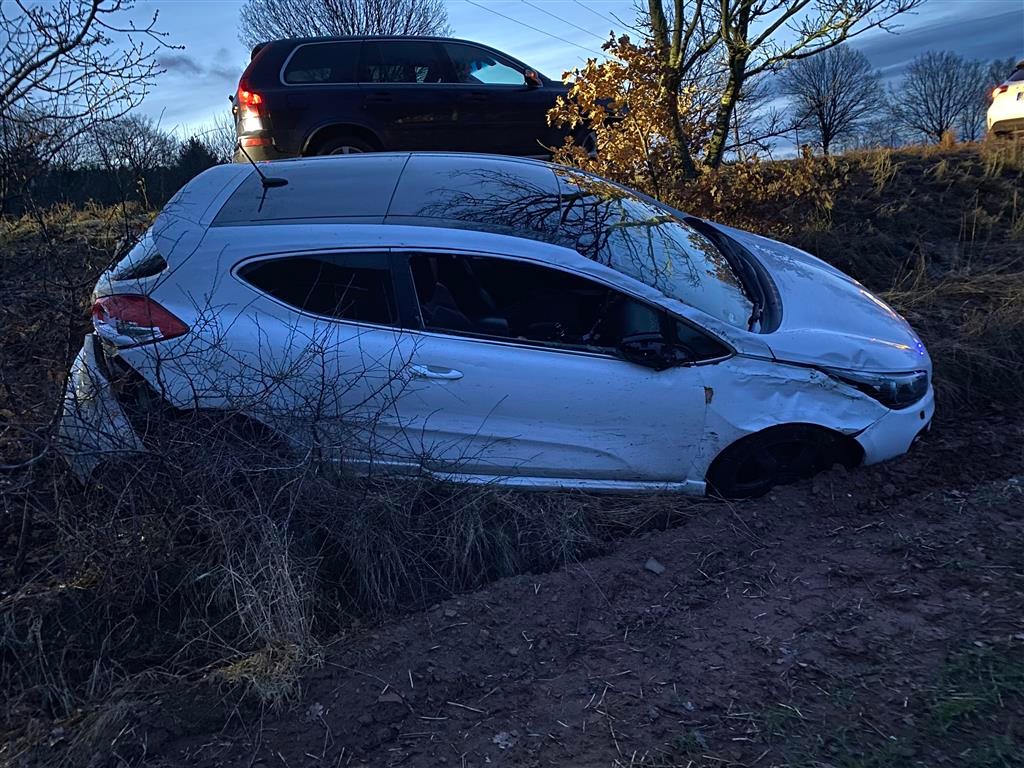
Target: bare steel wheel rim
{"points": [[346, 149]]}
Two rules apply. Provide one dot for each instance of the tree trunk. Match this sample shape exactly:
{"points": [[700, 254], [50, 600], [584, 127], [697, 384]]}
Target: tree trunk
{"points": [[724, 115], [678, 141]]}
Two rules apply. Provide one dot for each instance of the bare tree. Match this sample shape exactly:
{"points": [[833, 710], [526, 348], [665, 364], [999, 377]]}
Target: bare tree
{"points": [[937, 92], [136, 143], [833, 94], [219, 136], [263, 20], [754, 37], [76, 60]]}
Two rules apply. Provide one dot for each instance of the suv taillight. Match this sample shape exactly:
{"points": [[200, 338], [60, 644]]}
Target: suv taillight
{"points": [[1000, 89], [127, 320], [249, 102]]}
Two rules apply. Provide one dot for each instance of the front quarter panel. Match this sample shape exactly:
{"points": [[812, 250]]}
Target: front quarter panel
{"points": [[746, 395]]}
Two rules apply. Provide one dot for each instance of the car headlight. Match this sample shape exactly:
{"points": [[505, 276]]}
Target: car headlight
{"points": [[893, 390]]}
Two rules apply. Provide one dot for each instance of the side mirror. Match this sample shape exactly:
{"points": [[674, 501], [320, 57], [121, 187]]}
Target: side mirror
{"points": [[532, 79], [651, 350]]}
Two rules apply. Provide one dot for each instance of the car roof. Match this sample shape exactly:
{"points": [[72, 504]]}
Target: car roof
{"points": [[342, 38], [517, 197], [391, 187], [289, 43]]}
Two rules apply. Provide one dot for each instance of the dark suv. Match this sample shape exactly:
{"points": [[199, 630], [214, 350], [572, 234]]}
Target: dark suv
{"points": [[335, 95]]}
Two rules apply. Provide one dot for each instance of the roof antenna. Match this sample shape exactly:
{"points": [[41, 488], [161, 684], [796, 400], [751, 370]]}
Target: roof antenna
{"points": [[266, 181]]}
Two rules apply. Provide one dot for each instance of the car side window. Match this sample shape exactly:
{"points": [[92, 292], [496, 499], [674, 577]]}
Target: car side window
{"points": [[477, 66], [328, 285], [516, 301], [402, 61], [323, 63]]}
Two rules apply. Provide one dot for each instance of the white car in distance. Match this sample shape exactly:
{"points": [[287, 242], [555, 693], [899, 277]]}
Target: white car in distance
{"points": [[493, 320], [1006, 112]]}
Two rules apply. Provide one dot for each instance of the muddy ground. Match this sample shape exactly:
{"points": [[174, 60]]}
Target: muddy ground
{"points": [[869, 618]]}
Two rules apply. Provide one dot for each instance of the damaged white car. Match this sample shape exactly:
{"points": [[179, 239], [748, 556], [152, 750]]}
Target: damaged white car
{"points": [[492, 320]]}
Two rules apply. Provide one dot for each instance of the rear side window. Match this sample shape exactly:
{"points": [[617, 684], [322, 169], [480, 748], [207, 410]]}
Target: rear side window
{"points": [[323, 63], [330, 285], [403, 61], [475, 66]]}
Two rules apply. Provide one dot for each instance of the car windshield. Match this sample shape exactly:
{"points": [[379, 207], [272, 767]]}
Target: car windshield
{"points": [[613, 226]]}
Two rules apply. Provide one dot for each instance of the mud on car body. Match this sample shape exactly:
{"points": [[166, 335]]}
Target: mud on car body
{"points": [[494, 320]]}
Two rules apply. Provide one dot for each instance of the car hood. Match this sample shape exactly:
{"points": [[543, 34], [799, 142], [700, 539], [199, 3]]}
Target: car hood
{"points": [[830, 319]]}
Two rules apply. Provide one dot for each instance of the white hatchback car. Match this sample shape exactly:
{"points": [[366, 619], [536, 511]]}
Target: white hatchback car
{"points": [[1006, 113], [494, 320]]}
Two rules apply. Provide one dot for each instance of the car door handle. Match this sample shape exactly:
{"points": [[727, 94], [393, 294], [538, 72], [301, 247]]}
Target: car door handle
{"points": [[435, 372], [379, 98], [477, 96]]}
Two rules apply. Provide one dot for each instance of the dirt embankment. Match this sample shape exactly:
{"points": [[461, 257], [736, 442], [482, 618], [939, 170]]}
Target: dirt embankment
{"points": [[870, 618]]}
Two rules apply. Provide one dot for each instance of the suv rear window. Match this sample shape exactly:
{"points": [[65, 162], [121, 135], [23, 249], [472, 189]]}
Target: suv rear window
{"points": [[1018, 75], [323, 63]]}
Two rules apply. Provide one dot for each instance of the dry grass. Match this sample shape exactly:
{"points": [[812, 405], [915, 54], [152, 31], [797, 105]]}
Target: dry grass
{"points": [[974, 327]]}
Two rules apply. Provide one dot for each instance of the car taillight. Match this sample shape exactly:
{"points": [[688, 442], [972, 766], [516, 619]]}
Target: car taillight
{"points": [[1000, 89], [127, 320], [249, 102]]}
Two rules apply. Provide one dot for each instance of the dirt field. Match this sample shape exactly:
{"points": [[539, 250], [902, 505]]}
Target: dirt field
{"points": [[870, 618], [866, 619]]}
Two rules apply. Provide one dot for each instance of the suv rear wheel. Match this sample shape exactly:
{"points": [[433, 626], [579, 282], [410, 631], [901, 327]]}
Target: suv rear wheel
{"points": [[344, 145]]}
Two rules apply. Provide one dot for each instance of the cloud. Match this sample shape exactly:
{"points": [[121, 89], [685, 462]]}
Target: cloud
{"points": [[971, 35], [179, 63], [185, 65], [225, 72]]}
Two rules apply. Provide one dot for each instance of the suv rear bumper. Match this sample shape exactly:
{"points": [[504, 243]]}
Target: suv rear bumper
{"points": [[263, 152], [1011, 125]]}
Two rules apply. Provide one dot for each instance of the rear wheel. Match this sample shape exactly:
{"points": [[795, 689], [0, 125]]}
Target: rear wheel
{"points": [[344, 145], [777, 456]]}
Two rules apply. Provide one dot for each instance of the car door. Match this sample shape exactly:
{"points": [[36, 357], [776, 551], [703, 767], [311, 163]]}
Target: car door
{"points": [[515, 374], [321, 353], [320, 89], [500, 113], [408, 95]]}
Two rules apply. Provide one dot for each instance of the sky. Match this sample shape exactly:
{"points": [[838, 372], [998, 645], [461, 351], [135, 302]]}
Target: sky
{"points": [[551, 35]]}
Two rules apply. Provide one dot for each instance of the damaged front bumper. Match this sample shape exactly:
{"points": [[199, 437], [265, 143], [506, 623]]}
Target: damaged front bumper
{"points": [[93, 425], [894, 433]]}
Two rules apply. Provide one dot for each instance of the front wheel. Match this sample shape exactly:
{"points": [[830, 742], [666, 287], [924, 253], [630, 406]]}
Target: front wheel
{"points": [[777, 456]]}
